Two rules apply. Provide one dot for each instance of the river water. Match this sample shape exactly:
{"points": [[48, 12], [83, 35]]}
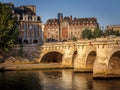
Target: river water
{"points": [[54, 80]]}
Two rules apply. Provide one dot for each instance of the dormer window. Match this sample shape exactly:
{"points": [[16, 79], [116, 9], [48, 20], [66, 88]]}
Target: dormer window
{"points": [[29, 18]]}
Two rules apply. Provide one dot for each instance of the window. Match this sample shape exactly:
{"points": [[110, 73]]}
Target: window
{"points": [[30, 26], [35, 33], [30, 19], [35, 26], [25, 26]]}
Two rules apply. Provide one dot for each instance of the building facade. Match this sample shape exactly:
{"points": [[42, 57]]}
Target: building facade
{"points": [[113, 27], [30, 29], [51, 30], [67, 28]]}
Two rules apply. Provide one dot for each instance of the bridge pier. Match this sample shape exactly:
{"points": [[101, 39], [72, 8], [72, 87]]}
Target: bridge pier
{"points": [[107, 63], [85, 59], [80, 64], [100, 69], [103, 69], [67, 58]]}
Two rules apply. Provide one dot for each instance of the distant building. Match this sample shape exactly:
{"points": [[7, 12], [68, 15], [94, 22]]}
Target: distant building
{"points": [[66, 28], [113, 27], [51, 30]]}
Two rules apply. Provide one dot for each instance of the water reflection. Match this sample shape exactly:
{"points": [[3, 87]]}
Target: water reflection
{"points": [[83, 81], [54, 80]]}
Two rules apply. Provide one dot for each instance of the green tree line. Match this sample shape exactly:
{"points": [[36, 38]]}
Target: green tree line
{"points": [[8, 28], [97, 33]]}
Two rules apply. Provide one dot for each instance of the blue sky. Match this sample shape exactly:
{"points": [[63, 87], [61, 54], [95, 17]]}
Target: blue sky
{"points": [[106, 11]]}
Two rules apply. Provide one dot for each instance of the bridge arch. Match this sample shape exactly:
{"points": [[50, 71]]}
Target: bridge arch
{"points": [[114, 63], [52, 57], [90, 59]]}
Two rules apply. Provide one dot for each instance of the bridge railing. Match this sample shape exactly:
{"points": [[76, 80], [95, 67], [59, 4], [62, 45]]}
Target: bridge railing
{"points": [[86, 42]]}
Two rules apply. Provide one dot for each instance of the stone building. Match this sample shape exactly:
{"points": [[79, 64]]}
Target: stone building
{"points": [[30, 29], [51, 30], [113, 27], [67, 28]]}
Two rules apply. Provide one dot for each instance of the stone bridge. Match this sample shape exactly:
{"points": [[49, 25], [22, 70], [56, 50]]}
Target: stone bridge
{"points": [[102, 56]]}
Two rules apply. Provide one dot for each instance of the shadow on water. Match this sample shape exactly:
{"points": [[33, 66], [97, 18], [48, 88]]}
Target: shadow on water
{"points": [[54, 80], [19, 80]]}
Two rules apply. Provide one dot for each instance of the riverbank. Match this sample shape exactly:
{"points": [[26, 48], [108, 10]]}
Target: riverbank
{"points": [[40, 66]]}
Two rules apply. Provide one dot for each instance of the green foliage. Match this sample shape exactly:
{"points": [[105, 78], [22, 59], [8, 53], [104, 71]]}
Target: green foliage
{"points": [[111, 32], [74, 38], [97, 33], [8, 28], [87, 34], [21, 51], [117, 33]]}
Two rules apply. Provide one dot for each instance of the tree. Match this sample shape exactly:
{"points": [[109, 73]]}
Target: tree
{"points": [[97, 33], [107, 32], [87, 34], [74, 38], [8, 28], [112, 32], [117, 33]]}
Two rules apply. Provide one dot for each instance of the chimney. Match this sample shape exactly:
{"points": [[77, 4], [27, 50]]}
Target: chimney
{"points": [[71, 17], [60, 16]]}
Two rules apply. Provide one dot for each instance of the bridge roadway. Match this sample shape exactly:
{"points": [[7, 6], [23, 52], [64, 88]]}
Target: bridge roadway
{"points": [[102, 56]]}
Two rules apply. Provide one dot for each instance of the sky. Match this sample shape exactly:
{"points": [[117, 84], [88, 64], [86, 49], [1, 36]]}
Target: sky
{"points": [[106, 11]]}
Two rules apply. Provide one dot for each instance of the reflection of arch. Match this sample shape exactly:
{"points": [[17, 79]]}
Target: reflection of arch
{"points": [[54, 57], [90, 60], [114, 63], [25, 41], [35, 41]]}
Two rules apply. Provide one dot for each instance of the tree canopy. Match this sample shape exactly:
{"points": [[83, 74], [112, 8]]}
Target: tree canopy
{"points": [[97, 33], [112, 32], [87, 34], [74, 38], [8, 28]]}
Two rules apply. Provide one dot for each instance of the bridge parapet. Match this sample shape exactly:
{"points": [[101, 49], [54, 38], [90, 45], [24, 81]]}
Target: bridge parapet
{"points": [[58, 46], [86, 42]]}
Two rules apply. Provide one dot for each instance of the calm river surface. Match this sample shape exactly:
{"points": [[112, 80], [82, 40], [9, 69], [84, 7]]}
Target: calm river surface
{"points": [[54, 80]]}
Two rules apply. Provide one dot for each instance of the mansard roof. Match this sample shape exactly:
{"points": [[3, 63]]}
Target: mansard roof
{"points": [[67, 19], [85, 19], [52, 21], [23, 10], [74, 21]]}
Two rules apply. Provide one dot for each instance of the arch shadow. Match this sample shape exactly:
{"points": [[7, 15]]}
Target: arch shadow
{"points": [[90, 59], [114, 63], [52, 57]]}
